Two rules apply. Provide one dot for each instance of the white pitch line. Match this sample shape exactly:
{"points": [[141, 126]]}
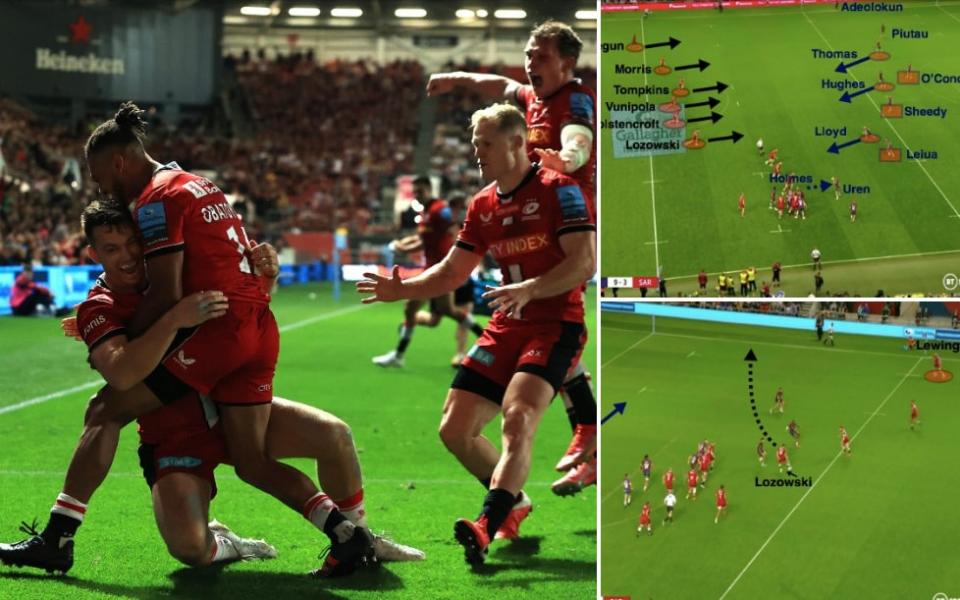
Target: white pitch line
{"points": [[951, 15], [90, 384], [814, 486], [653, 189], [51, 396], [632, 346], [897, 133]]}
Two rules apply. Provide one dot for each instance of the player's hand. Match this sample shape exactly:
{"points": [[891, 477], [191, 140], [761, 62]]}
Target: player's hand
{"points": [[509, 299], [551, 159], [440, 83], [198, 308], [264, 259], [70, 328], [384, 289]]}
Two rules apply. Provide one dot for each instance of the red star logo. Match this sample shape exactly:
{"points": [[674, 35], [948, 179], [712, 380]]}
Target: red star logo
{"points": [[80, 30]]}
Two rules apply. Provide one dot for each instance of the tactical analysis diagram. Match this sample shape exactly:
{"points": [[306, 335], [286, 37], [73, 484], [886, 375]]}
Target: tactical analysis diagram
{"points": [[769, 135]]}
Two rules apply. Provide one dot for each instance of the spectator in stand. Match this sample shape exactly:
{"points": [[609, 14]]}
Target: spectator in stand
{"points": [[28, 298]]}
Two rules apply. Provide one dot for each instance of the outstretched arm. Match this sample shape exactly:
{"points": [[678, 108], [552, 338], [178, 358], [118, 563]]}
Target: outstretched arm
{"points": [[487, 85], [443, 277]]}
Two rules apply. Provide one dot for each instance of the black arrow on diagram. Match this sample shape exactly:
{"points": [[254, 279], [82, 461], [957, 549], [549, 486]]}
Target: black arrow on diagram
{"points": [[712, 102], [735, 136], [719, 88], [701, 64], [713, 117], [673, 43], [750, 359]]}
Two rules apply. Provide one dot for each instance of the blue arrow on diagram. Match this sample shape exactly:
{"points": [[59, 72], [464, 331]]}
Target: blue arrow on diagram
{"points": [[835, 149], [825, 185], [618, 408], [842, 68], [848, 97]]}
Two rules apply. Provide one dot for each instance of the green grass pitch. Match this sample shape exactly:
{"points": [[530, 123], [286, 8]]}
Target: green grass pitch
{"points": [[414, 489], [878, 523], [906, 235]]}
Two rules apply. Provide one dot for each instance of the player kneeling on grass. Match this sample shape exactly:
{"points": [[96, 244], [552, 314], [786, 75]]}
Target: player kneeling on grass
{"points": [[186, 427], [536, 334], [645, 519]]}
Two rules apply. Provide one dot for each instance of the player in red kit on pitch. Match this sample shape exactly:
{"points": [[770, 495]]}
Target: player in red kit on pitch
{"points": [[645, 519], [692, 483], [560, 113], [536, 334], [845, 441], [937, 362], [914, 414], [721, 503], [436, 232], [193, 241], [761, 453], [705, 459], [668, 480], [742, 204], [782, 460]]}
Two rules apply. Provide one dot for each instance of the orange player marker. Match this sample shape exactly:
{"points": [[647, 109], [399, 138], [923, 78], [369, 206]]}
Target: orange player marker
{"points": [[694, 143], [681, 90], [890, 154], [882, 85], [869, 137], [669, 107], [938, 376], [675, 122], [879, 54], [908, 77], [891, 110], [634, 46], [662, 68]]}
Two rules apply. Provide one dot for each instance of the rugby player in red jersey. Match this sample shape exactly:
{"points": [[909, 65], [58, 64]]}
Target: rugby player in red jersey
{"points": [[742, 204], [937, 362], [668, 480], [761, 453], [705, 459], [721, 503], [194, 241], [436, 232], [561, 120], [645, 519], [782, 459], [692, 483], [536, 334], [914, 414], [845, 441], [185, 426]]}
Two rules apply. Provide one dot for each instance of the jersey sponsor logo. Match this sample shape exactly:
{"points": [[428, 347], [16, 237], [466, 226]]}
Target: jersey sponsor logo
{"points": [[481, 356], [221, 211], [581, 106], [200, 187], [166, 462], [445, 214], [97, 321], [572, 204], [530, 207], [152, 220], [523, 244], [265, 387], [507, 221], [538, 137], [183, 360], [507, 210], [486, 218]]}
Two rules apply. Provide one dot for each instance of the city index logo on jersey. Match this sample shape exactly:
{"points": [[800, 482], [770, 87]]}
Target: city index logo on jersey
{"points": [[537, 136], [523, 244]]}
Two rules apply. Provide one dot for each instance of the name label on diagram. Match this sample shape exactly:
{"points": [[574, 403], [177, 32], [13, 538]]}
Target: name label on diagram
{"points": [[831, 132], [909, 34], [622, 69]]}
